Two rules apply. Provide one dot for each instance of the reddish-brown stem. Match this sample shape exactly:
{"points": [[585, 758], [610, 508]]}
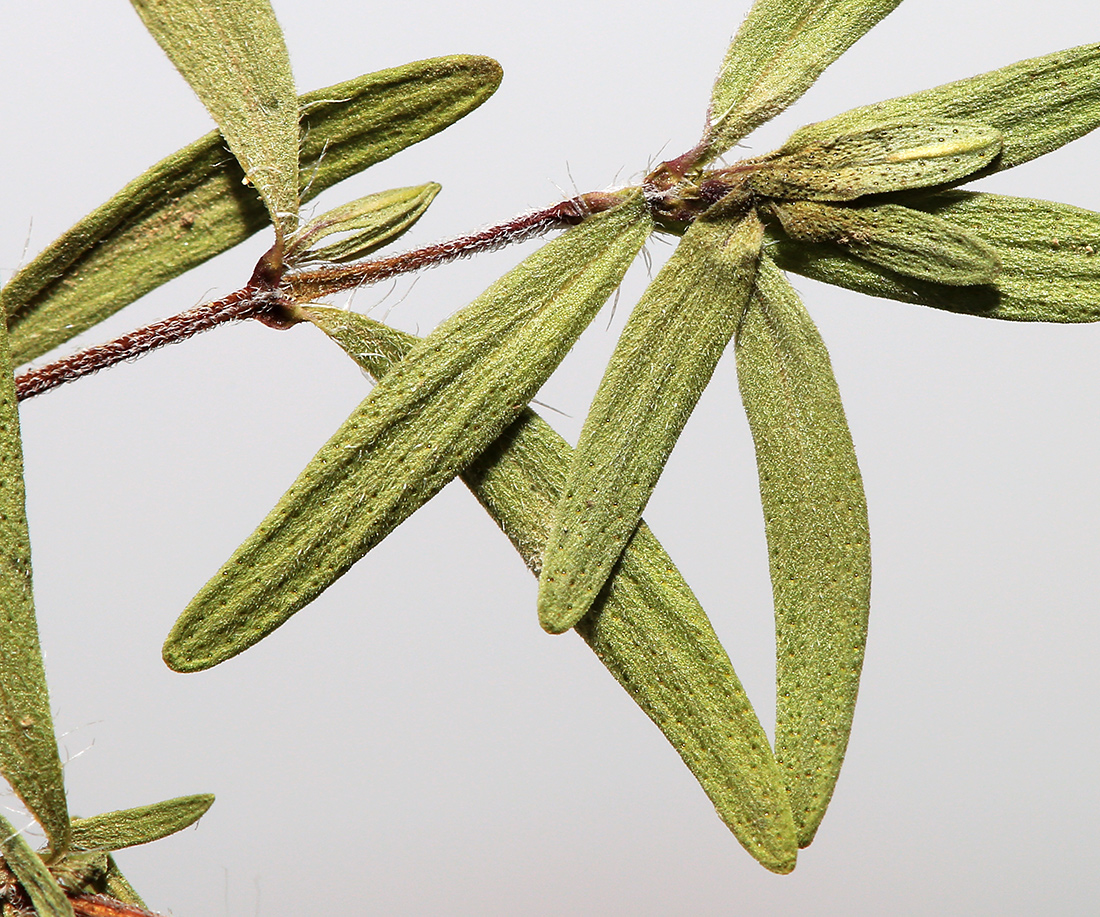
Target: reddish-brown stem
{"points": [[246, 303], [273, 289], [315, 283], [102, 906]]}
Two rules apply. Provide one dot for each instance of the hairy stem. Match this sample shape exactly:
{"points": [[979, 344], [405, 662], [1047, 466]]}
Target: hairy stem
{"points": [[273, 291], [242, 304], [314, 283]]}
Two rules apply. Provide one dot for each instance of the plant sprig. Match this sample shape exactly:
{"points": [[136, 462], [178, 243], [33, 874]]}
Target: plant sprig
{"points": [[866, 200]]}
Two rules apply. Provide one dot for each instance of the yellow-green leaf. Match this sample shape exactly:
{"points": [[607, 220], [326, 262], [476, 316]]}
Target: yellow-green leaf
{"points": [[886, 157], [232, 53], [28, 747], [646, 626], [1049, 256], [369, 223], [662, 363], [453, 395], [45, 893], [192, 206], [780, 50], [141, 825], [1037, 104], [815, 518], [904, 240], [118, 886]]}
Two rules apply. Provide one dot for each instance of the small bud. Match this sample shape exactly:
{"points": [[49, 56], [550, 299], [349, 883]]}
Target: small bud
{"points": [[885, 157], [369, 223]]}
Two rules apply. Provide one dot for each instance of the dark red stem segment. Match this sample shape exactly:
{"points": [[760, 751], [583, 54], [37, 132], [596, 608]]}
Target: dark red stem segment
{"points": [[315, 283], [273, 291], [243, 304]]}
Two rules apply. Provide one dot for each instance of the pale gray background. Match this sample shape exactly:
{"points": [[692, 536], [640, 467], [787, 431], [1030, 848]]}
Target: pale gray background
{"points": [[413, 743]]}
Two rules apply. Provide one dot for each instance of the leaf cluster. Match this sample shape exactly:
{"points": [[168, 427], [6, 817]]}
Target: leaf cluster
{"points": [[868, 200]]}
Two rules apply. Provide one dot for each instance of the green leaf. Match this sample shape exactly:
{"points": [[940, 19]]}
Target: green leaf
{"points": [[234, 57], [370, 221], [646, 626], [815, 517], [118, 887], [141, 825], [420, 427], [28, 747], [192, 206], [904, 240], [1049, 258], [780, 50], [886, 157], [1037, 104], [662, 363], [45, 894]]}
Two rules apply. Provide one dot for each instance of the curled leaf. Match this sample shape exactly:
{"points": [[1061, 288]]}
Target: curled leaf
{"points": [[815, 518], [234, 57], [419, 428], [192, 206], [782, 47], [663, 361], [646, 626], [28, 747], [1038, 105], [369, 222], [141, 825], [886, 157], [46, 895], [904, 240], [1049, 257]]}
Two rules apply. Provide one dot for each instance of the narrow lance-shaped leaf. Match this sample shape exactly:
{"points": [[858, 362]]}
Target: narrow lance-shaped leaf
{"points": [[192, 206], [368, 223], [815, 517], [420, 427], [646, 626], [141, 825], [234, 57], [780, 50], [28, 747], [118, 886], [663, 361], [1049, 257], [45, 894], [887, 157], [1038, 105], [904, 240]]}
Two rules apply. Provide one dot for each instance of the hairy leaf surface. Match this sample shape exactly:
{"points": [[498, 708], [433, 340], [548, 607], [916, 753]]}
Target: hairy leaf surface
{"points": [[663, 361], [28, 747], [45, 894], [192, 206], [782, 47], [907, 241], [1038, 105], [369, 223], [439, 409], [233, 56], [140, 825], [887, 157], [1049, 257], [646, 626], [815, 518]]}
